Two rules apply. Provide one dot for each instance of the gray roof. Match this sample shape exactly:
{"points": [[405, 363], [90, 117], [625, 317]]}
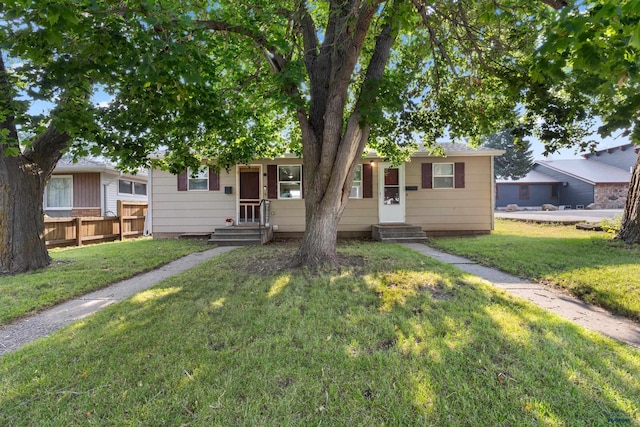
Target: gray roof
{"points": [[533, 177], [84, 164], [589, 171], [66, 164], [458, 149], [624, 147]]}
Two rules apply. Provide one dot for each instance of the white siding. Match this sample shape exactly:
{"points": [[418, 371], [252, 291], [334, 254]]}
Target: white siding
{"points": [[110, 194]]}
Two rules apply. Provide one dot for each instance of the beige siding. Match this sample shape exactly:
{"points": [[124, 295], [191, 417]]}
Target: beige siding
{"points": [[190, 211], [463, 209], [459, 209]]}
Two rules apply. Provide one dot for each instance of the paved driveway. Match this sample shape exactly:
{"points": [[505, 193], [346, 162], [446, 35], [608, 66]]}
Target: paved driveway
{"points": [[566, 216]]}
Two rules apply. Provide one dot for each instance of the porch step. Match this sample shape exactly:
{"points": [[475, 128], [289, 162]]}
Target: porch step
{"points": [[241, 235], [398, 233]]}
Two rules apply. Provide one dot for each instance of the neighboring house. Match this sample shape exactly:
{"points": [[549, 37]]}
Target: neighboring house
{"points": [[601, 177], [441, 195], [90, 188]]}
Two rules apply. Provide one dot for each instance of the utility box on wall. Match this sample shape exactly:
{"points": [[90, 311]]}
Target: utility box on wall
{"points": [[228, 190]]}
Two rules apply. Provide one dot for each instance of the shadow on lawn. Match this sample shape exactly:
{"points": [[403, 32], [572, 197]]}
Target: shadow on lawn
{"points": [[398, 340], [596, 270]]}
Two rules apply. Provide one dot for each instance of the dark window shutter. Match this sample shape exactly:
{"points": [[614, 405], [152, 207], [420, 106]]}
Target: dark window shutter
{"points": [[182, 181], [427, 175], [272, 181], [214, 180], [458, 170], [367, 181]]}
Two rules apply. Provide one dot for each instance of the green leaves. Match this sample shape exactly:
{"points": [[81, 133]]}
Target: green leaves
{"points": [[634, 41], [586, 67]]}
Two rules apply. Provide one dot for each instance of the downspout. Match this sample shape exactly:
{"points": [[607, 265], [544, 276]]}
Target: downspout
{"points": [[492, 208], [148, 220]]}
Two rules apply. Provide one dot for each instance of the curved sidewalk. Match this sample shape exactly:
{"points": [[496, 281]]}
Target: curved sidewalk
{"points": [[16, 334], [588, 316]]}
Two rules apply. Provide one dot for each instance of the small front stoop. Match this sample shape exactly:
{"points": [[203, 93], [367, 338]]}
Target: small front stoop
{"points": [[398, 233], [242, 235]]}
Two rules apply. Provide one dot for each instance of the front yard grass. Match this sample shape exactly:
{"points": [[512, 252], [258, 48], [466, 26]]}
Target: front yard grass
{"points": [[394, 338], [76, 271], [589, 264]]}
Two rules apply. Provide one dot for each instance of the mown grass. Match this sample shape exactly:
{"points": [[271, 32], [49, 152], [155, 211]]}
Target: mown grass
{"points": [[76, 271], [394, 339], [589, 264]]}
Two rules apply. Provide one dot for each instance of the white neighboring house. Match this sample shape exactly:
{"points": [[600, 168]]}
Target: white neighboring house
{"points": [[91, 187]]}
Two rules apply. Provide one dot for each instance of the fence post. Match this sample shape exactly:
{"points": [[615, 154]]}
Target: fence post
{"points": [[78, 231], [121, 219]]}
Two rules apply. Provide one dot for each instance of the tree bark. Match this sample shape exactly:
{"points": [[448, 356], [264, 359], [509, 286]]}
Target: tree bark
{"points": [[22, 243], [23, 178], [630, 227], [331, 147]]}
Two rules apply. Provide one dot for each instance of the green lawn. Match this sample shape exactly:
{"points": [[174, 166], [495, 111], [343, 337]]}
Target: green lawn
{"points": [[393, 338], [76, 271], [589, 264]]}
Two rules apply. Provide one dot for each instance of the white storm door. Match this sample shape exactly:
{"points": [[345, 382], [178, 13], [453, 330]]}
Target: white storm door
{"points": [[391, 195]]}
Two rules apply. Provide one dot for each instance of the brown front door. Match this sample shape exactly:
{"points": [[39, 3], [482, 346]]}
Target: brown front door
{"points": [[249, 195]]}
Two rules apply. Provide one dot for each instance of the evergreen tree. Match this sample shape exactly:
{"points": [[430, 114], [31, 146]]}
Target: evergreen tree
{"points": [[517, 160]]}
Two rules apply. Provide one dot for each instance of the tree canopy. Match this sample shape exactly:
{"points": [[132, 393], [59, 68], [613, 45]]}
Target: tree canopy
{"points": [[224, 79], [586, 68]]}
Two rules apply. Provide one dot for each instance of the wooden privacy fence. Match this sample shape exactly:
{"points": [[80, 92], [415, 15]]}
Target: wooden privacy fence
{"points": [[83, 230]]}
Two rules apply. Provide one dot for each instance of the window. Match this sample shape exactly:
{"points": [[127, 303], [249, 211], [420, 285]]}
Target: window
{"points": [[290, 182], [356, 187], [555, 191], [60, 192], [443, 175], [198, 181], [523, 192], [132, 187]]}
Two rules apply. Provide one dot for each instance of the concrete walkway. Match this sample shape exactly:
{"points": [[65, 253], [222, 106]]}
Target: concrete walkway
{"points": [[15, 335], [588, 316]]}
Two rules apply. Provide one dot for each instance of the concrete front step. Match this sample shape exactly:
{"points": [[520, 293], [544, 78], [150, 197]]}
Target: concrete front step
{"points": [[237, 230], [420, 233], [403, 239], [241, 236], [398, 233]]}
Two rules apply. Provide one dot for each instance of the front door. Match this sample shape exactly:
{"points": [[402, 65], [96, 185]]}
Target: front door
{"points": [[249, 195], [391, 196]]}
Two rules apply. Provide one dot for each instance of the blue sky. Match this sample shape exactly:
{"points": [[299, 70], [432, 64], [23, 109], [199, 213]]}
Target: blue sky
{"points": [[570, 153]]}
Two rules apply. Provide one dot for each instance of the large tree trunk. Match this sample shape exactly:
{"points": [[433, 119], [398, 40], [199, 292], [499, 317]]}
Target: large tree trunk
{"points": [[630, 228], [22, 181], [331, 148], [22, 243]]}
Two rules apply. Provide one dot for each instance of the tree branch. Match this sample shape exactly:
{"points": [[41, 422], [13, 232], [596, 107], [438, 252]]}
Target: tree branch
{"points": [[310, 40], [270, 52], [556, 4], [8, 119], [422, 9]]}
